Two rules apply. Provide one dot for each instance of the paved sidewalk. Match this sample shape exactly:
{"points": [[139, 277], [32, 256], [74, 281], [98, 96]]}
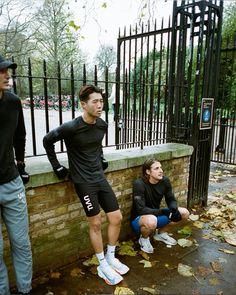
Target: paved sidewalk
{"points": [[214, 270]]}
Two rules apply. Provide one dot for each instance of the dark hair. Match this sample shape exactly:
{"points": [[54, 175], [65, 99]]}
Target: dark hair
{"points": [[147, 166], [86, 90]]}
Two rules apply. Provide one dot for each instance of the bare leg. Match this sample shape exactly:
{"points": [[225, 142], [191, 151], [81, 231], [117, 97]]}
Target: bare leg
{"points": [[95, 233], [114, 224], [148, 224]]}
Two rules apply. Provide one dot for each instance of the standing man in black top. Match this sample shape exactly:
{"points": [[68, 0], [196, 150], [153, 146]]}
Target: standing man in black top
{"points": [[83, 139], [147, 218], [13, 206]]}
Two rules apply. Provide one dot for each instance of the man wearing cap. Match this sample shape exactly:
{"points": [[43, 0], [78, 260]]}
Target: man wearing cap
{"points": [[13, 206]]}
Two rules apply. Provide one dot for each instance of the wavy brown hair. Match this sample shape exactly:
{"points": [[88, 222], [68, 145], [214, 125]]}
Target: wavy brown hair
{"points": [[147, 166]]}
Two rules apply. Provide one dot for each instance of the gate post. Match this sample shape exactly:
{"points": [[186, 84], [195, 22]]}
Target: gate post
{"points": [[221, 146], [193, 76]]}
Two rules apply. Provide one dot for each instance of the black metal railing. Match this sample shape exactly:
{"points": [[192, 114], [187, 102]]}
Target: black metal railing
{"points": [[44, 111], [142, 89]]}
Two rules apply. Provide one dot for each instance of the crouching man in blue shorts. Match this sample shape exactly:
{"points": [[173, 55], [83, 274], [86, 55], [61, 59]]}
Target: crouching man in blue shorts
{"points": [[83, 138], [147, 218]]}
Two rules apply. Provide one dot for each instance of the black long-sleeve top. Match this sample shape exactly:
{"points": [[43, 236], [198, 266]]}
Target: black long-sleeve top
{"points": [[84, 148], [147, 197], [12, 136]]}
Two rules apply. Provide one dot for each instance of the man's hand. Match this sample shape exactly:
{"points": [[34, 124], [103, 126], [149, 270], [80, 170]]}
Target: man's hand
{"points": [[23, 174], [166, 212], [61, 171], [173, 210], [104, 163], [176, 216], [163, 211]]}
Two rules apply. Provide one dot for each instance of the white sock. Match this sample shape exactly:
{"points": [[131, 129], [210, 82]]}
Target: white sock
{"points": [[101, 259], [111, 252]]}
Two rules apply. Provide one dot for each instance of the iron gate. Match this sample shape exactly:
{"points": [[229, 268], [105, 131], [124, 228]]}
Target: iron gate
{"points": [[194, 69], [164, 74]]}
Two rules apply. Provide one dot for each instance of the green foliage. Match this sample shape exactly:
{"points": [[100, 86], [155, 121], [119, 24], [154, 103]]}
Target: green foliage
{"points": [[229, 23], [227, 79], [57, 41], [73, 25], [147, 69], [105, 58]]}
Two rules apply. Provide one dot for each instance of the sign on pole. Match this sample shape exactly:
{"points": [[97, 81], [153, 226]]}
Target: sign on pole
{"points": [[206, 113]]}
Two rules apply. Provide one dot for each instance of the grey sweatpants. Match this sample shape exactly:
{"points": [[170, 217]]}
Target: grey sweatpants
{"points": [[13, 212]]}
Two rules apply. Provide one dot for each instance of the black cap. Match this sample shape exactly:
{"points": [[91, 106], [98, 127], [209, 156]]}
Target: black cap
{"points": [[5, 64]]}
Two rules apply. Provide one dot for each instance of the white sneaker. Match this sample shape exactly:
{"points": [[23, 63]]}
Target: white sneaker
{"points": [[110, 276], [117, 265], [145, 245], [164, 237]]}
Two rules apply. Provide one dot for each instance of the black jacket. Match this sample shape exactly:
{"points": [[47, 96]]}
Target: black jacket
{"points": [[147, 197], [12, 136]]}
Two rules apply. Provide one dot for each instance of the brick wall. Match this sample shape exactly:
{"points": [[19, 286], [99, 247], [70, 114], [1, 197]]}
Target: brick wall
{"points": [[58, 225]]}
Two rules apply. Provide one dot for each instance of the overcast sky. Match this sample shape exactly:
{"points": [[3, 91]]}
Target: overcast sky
{"points": [[102, 24]]}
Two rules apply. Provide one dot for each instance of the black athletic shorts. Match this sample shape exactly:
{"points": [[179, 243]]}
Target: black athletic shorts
{"points": [[94, 195]]}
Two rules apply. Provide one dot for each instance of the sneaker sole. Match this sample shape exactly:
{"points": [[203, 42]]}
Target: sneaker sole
{"points": [[119, 272], [116, 269], [166, 242], [101, 275]]}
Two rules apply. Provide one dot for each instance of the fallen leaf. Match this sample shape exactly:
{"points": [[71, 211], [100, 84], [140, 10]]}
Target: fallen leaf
{"points": [[230, 237], [126, 248], [203, 271], [186, 230], [214, 281], [123, 290], [76, 272], [146, 263], [226, 251], [150, 290], [216, 266], [93, 270], [144, 255], [193, 217], [213, 212], [55, 275], [198, 224], [185, 270], [170, 267], [91, 261], [184, 243], [217, 233], [231, 196]]}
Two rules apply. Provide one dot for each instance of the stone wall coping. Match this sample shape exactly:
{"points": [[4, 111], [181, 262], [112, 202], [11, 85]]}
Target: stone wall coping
{"points": [[41, 172]]}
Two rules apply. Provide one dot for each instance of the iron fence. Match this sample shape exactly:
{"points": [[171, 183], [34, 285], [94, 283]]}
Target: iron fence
{"points": [[142, 89]]}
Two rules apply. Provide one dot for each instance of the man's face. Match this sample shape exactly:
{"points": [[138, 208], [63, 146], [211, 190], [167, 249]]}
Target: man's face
{"points": [[4, 80], [94, 106], [155, 173]]}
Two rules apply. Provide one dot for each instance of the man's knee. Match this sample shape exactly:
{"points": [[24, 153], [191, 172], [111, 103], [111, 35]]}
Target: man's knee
{"points": [[115, 218], [95, 223], [184, 213], [20, 242], [149, 221]]}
